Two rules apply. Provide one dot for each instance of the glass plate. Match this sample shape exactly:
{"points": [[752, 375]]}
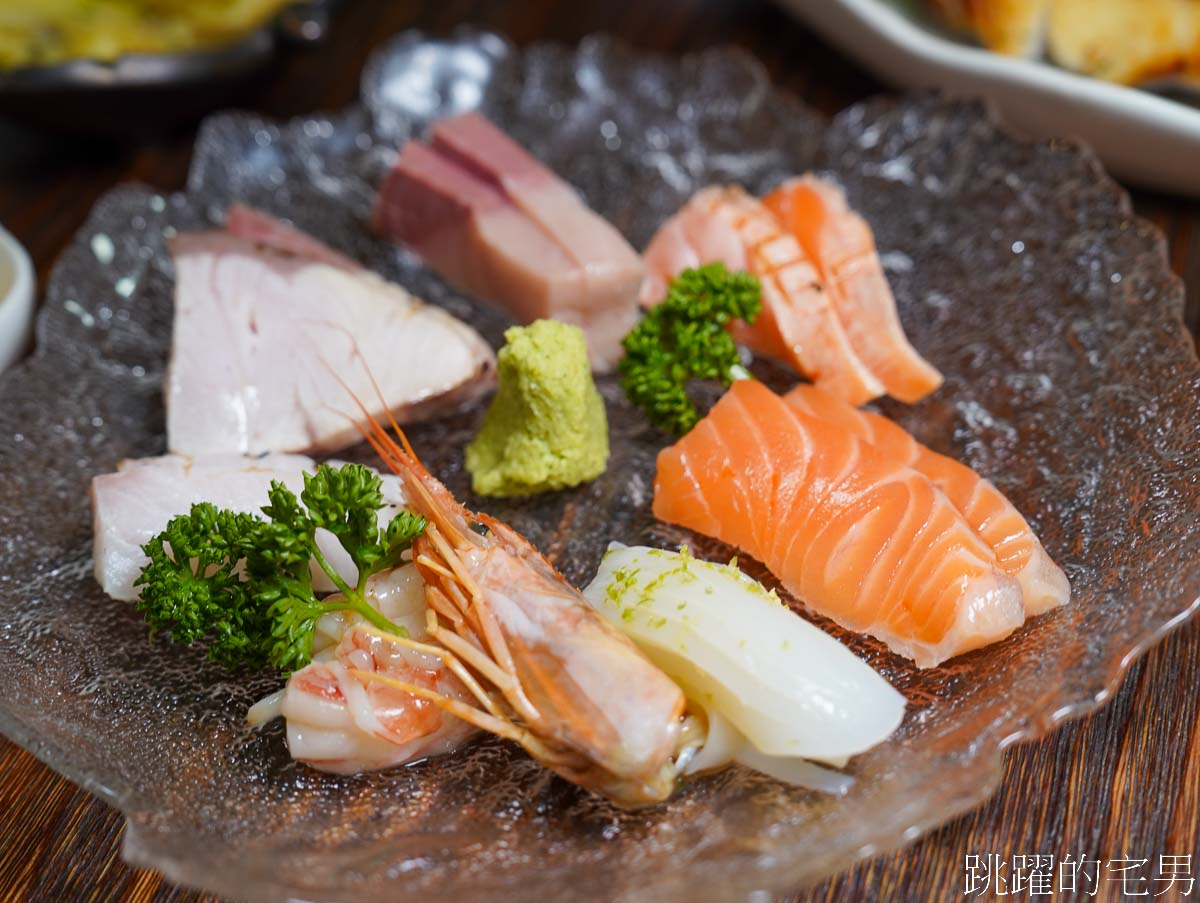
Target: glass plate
{"points": [[1020, 272]]}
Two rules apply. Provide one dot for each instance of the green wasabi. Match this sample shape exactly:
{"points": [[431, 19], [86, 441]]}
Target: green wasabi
{"points": [[546, 428]]}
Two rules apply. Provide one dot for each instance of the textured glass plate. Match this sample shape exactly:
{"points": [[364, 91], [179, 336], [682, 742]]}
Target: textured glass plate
{"points": [[1020, 272]]}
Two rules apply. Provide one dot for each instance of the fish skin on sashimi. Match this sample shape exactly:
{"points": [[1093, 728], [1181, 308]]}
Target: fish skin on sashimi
{"points": [[270, 349], [858, 537], [267, 231], [1018, 551], [497, 223]]}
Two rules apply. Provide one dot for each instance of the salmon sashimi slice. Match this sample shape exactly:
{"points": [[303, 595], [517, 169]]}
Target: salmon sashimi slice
{"points": [[999, 524], [855, 534], [842, 246], [798, 323], [690, 238]]}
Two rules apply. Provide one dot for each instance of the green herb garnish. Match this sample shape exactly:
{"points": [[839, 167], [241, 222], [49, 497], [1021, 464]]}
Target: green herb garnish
{"points": [[244, 584], [684, 338]]}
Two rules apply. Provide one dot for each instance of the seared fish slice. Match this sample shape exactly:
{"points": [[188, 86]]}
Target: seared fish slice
{"points": [[842, 246], [273, 331]]}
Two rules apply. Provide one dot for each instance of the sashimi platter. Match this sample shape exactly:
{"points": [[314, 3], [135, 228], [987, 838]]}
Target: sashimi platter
{"points": [[590, 474]]}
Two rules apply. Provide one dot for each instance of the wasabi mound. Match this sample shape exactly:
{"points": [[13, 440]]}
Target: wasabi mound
{"points": [[546, 428]]}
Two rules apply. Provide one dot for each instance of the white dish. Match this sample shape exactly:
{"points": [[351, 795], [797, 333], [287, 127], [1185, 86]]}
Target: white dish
{"points": [[16, 299], [1141, 137]]}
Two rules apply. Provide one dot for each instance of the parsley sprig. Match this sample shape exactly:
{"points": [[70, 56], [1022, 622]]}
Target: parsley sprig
{"points": [[684, 338], [244, 583]]}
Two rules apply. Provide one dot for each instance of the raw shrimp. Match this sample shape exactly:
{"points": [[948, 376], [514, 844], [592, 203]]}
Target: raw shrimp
{"points": [[339, 719], [555, 676]]}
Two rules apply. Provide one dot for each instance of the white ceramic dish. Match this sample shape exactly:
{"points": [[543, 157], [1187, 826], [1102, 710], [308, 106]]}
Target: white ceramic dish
{"points": [[16, 299], [1147, 139]]}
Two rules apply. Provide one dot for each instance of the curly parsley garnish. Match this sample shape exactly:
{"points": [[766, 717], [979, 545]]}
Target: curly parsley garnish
{"points": [[684, 338], [243, 583]]}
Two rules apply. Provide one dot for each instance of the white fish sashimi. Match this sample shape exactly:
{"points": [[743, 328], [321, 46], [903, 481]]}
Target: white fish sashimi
{"points": [[272, 343], [136, 503], [789, 688]]}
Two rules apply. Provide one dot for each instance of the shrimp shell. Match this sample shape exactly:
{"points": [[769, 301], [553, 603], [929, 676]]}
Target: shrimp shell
{"points": [[577, 694]]}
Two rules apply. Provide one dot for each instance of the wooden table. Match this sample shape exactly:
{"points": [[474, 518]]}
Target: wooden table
{"points": [[1124, 783]]}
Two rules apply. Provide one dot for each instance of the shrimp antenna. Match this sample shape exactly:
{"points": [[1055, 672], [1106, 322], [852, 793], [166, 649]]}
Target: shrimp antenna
{"points": [[401, 459], [384, 406], [376, 427]]}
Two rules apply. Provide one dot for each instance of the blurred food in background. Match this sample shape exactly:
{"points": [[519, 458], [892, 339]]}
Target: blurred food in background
{"points": [[49, 32], [1126, 41], [127, 69]]}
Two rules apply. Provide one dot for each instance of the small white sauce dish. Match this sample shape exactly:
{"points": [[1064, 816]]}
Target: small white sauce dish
{"points": [[16, 299]]}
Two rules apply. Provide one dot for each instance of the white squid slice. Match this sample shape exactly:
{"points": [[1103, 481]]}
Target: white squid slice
{"points": [[725, 744], [792, 691]]}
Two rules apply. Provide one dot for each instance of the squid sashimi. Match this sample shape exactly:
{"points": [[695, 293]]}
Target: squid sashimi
{"points": [[842, 246], [798, 323], [788, 689], [496, 222], [858, 536], [272, 329], [1018, 552]]}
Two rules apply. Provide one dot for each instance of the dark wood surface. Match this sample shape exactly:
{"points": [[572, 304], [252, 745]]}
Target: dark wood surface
{"points": [[1123, 784]]}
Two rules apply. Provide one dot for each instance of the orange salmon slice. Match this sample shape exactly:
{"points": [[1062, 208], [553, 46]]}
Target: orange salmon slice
{"points": [[842, 246], [798, 323], [1018, 551], [855, 534]]}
